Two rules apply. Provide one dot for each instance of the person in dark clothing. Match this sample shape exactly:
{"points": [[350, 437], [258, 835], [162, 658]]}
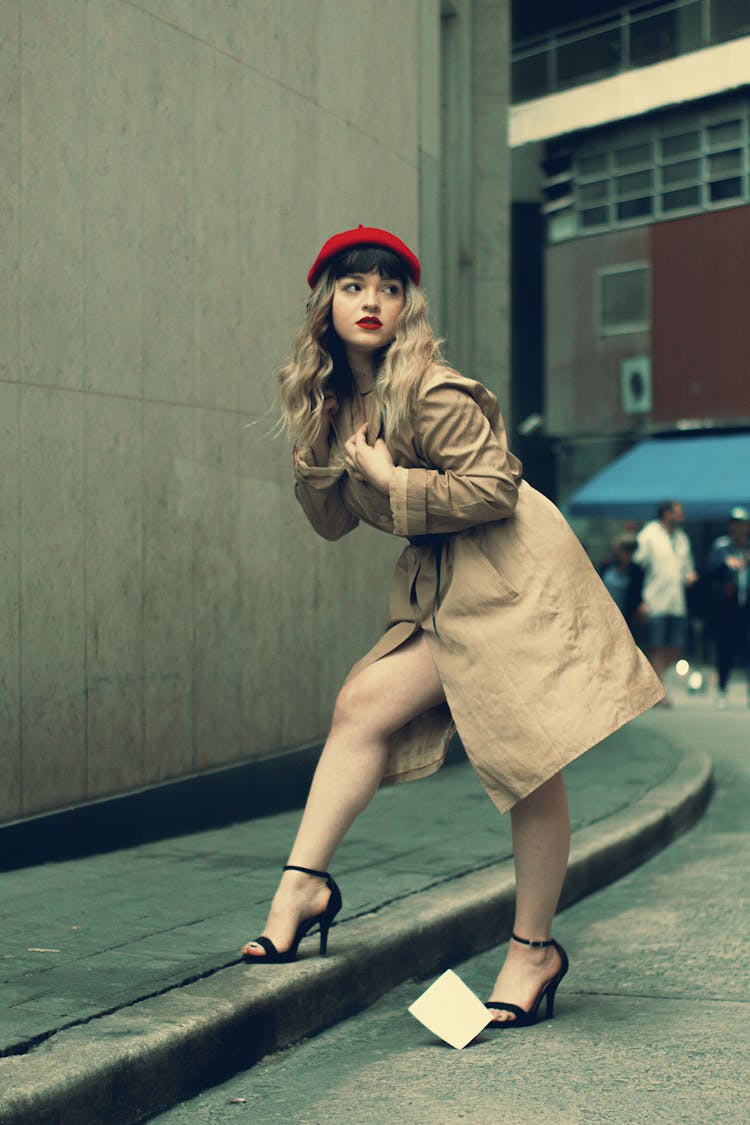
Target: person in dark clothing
{"points": [[624, 578], [727, 570]]}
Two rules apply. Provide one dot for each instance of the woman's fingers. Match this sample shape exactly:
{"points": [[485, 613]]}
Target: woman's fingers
{"points": [[355, 443], [350, 454], [352, 447]]}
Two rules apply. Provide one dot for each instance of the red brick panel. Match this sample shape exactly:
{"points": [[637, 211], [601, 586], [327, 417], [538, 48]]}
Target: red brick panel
{"points": [[701, 316]]}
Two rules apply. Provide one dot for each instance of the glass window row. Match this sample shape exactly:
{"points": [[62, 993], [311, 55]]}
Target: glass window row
{"points": [[680, 170]]}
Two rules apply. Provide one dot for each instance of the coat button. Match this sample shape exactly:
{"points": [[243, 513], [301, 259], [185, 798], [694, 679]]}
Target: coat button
{"points": [[383, 521]]}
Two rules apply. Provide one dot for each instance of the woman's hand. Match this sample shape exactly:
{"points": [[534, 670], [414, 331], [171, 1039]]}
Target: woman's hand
{"points": [[370, 463], [320, 444]]}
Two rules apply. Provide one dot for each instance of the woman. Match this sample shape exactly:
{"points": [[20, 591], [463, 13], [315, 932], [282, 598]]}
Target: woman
{"points": [[498, 622]]}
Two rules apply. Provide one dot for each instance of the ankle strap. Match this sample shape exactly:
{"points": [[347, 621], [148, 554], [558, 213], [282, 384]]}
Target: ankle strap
{"points": [[535, 944], [307, 871]]}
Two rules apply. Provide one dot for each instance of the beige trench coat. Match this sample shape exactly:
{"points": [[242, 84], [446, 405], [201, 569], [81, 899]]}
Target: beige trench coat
{"points": [[537, 662]]}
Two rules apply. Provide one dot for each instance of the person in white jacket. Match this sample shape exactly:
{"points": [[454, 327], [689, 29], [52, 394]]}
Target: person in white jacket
{"points": [[666, 557]]}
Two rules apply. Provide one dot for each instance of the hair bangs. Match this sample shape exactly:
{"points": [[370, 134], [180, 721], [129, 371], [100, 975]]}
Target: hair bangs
{"points": [[366, 259]]}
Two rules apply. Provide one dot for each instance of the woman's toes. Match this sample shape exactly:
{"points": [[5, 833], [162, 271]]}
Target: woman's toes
{"points": [[500, 1015]]}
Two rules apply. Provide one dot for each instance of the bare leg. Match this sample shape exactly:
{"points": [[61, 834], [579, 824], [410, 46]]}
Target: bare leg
{"points": [[541, 843], [373, 705]]}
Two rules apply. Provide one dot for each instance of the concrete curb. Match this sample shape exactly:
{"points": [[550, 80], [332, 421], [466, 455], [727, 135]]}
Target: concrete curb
{"points": [[125, 1067]]}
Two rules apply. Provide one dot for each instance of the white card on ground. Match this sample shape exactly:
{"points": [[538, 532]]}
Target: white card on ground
{"points": [[450, 1010]]}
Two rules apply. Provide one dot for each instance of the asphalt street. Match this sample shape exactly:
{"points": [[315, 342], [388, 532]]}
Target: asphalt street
{"points": [[652, 1023]]}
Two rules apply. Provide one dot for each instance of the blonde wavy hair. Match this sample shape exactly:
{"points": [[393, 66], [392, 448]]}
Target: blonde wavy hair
{"points": [[318, 362]]}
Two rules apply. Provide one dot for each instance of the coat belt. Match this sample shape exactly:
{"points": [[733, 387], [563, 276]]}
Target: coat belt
{"points": [[435, 544]]}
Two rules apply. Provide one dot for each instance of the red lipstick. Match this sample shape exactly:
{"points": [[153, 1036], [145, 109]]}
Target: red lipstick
{"points": [[371, 322]]}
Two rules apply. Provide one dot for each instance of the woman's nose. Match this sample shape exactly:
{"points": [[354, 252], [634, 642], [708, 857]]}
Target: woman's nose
{"points": [[371, 301]]}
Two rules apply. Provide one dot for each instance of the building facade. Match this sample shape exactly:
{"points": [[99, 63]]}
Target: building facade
{"points": [[630, 134]]}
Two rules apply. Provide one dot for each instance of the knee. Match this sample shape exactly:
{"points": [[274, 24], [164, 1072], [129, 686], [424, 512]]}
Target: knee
{"points": [[352, 709], [345, 709]]}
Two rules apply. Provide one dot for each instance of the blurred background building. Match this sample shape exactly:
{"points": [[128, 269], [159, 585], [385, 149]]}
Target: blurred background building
{"points": [[168, 171], [630, 133]]}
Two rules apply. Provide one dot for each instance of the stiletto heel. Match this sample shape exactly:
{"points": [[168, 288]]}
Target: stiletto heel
{"points": [[548, 991], [324, 920]]}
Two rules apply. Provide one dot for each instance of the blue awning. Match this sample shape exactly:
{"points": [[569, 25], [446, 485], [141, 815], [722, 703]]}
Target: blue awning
{"points": [[707, 474]]}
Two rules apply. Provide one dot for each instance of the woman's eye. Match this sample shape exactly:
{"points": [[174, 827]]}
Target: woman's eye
{"points": [[351, 287], [393, 290]]}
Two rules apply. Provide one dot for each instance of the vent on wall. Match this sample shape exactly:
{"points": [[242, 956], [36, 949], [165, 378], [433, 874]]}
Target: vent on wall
{"points": [[635, 384], [623, 301]]}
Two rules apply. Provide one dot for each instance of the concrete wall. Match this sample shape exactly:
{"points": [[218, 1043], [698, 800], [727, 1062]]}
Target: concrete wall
{"points": [[168, 170], [475, 198]]}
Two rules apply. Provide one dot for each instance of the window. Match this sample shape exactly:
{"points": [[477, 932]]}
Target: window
{"points": [[680, 173], [727, 134], [595, 216], [729, 19], [686, 199], [593, 165], [635, 156], [683, 144], [721, 190], [595, 192], [681, 162], [623, 299], [634, 208]]}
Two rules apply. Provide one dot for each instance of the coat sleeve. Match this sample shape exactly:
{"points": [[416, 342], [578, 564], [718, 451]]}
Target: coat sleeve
{"points": [[475, 479], [318, 489]]}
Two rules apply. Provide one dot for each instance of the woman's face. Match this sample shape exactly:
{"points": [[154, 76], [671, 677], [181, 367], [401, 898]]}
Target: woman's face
{"points": [[365, 310]]}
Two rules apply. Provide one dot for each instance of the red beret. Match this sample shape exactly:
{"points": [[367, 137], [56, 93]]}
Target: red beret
{"points": [[364, 236]]}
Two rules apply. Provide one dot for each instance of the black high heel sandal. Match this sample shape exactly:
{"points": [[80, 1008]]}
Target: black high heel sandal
{"points": [[324, 920], [526, 1018]]}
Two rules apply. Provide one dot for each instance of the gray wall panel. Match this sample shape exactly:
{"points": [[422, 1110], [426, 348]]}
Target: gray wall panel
{"points": [[53, 585], [10, 601]]}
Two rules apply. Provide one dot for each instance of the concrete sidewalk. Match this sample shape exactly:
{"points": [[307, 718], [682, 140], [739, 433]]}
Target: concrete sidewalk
{"points": [[121, 973]]}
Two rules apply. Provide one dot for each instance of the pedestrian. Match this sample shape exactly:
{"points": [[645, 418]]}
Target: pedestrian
{"points": [[498, 622], [726, 571], [666, 557], [624, 578]]}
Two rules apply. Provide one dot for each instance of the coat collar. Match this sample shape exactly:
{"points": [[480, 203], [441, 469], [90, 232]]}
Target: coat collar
{"points": [[355, 409]]}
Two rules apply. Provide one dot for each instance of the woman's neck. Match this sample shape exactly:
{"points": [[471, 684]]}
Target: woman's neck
{"points": [[362, 368]]}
